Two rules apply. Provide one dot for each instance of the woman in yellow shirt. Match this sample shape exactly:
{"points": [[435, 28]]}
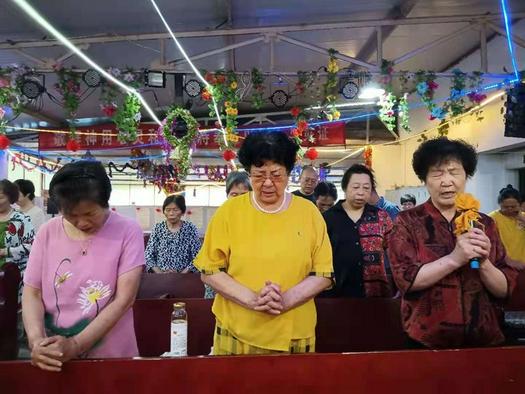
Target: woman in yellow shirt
{"points": [[510, 221], [266, 254]]}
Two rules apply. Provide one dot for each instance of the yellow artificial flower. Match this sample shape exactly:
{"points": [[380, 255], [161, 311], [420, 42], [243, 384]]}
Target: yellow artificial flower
{"points": [[469, 207], [232, 137], [336, 114], [227, 104], [233, 85], [332, 66], [330, 117], [231, 111]]}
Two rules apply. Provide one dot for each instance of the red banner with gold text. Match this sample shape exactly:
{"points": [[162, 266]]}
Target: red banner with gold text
{"points": [[105, 137]]}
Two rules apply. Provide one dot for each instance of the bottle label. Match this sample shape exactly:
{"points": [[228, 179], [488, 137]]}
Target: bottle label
{"points": [[179, 339]]}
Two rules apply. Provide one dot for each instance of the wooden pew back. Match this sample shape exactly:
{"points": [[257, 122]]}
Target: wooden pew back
{"points": [[9, 281], [343, 325]]}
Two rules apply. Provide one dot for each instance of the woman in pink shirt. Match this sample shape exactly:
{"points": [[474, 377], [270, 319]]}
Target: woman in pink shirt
{"points": [[83, 274]]}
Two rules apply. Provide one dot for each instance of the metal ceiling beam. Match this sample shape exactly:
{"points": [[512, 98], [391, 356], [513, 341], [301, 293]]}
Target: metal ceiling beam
{"points": [[34, 59], [53, 121], [478, 47], [219, 50], [376, 39], [517, 40], [426, 47], [324, 51], [261, 30], [483, 48]]}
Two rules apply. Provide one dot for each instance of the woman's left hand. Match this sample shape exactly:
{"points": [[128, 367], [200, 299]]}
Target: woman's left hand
{"points": [[67, 346]]}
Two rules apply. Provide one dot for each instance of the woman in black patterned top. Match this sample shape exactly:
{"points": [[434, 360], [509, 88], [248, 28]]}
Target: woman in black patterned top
{"points": [[174, 243]]}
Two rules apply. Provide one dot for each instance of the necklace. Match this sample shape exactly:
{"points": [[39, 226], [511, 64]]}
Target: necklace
{"points": [[285, 198], [84, 247]]}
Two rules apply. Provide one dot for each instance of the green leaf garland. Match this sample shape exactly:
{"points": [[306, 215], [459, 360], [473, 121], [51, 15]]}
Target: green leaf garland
{"points": [[181, 145], [127, 119]]}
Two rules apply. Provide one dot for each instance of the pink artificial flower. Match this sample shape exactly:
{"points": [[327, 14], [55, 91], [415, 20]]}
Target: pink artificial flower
{"points": [[432, 85]]}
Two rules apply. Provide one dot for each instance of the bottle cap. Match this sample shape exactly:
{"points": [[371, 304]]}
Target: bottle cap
{"points": [[179, 305]]}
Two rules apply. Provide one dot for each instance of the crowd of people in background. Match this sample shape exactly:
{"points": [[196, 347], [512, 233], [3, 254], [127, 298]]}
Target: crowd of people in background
{"points": [[265, 255]]}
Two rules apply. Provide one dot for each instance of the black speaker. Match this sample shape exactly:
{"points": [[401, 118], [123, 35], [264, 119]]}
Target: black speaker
{"points": [[179, 85], [515, 115]]}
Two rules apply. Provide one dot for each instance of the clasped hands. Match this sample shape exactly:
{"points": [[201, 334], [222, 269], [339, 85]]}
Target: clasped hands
{"points": [[50, 353], [270, 299], [474, 244]]}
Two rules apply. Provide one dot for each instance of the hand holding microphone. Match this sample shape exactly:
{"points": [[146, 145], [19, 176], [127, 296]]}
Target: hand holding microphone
{"points": [[470, 230]]}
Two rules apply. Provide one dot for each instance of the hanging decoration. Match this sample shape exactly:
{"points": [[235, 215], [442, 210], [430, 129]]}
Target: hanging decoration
{"points": [[300, 133], [216, 173], [388, 100], [257, 80], [387, 111], [403, 110], [330, 86], [180, 131], [72, 145], [127, 119], [68, 85], [311, 154], [426, 87], [229, 155], [10, 95], [34, 163], [110, 92], [305, 80], [475, 82], [223, 89], [4, 142], [456, 105], [367, 155]]}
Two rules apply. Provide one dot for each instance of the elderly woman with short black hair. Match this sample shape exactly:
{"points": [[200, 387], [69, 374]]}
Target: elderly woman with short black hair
{"points": [[174, 243], [83, 274], [446, 303], [408, 201], [266, 254]]}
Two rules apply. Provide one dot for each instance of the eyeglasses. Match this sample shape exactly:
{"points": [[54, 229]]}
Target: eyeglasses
{"points": [[273, 176]]}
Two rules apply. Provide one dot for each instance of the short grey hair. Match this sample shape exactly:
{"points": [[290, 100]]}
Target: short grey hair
{"points": [[237, 178], [308, 168]]}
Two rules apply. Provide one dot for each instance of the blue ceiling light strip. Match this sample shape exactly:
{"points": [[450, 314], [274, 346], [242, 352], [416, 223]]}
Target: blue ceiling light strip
{"points": [[506, 11]]}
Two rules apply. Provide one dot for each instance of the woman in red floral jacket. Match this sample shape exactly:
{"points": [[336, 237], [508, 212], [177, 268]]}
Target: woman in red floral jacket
{"points": [[446, 303]]}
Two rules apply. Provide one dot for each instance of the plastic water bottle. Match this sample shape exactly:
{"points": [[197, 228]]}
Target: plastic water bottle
{"points": [[179, 330]]}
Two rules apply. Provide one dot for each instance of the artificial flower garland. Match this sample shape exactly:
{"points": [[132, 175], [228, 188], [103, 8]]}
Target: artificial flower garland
{"points": [[388, 100], [426, 87], [330, 86], [127, 119], [223, 89], [182, 144], [257, 80], [68, 85]]}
